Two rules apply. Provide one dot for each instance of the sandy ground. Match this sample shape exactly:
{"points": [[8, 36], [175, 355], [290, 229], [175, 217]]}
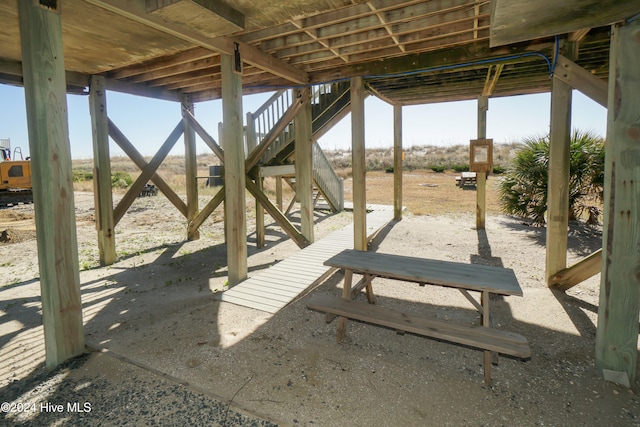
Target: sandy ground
{"points": [[166, 352]]}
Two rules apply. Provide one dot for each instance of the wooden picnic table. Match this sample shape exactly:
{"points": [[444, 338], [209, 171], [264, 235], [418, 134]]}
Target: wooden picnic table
{"points": [[466, 178], [466, 278]]}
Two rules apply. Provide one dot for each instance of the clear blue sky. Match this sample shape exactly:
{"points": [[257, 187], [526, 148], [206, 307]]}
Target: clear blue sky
{"points": [[147, 122]]}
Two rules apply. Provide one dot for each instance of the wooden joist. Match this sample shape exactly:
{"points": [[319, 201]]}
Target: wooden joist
{"points": [[474, 336]]}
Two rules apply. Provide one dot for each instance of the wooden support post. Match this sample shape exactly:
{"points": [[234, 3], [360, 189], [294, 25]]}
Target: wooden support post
{"points": [[259, 215], [346, 295], [617, 333], [103, 198], [279, 192], [304, 164], [486, 322], [234, 172], [358, 165], [46, 102], [191, 167], [481, 177], [224, 207], [558, 185], [251, 145], [397, 162]]}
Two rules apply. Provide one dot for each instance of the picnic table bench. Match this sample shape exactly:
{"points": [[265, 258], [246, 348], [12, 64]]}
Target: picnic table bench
{"points": [[465, 277], [466, 178]]}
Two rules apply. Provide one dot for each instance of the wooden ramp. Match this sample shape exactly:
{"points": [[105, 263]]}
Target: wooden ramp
{"points": [[275, 287]]}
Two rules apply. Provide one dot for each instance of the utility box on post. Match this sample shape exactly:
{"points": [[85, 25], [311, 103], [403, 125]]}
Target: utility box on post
{"points": [[215, 176], [481, 155]]}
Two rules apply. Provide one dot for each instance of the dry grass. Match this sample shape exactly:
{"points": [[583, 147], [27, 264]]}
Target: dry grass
{"points": [[428, 193], [421, 157], [424, 191]]}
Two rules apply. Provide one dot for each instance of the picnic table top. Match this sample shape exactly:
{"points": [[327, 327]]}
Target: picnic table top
{"points": [[472, 277]]}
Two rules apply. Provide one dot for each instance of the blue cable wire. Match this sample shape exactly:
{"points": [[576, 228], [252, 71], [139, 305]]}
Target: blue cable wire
{"points": [[550, 66]]}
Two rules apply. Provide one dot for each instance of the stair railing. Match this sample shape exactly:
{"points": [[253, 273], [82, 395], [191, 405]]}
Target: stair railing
{"points": [[260, 123], [329, 183]]}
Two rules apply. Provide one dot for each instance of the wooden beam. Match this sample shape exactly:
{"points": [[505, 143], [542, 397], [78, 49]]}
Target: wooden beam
{"points": [[481, 177], [234, 172], [46, 102], [217, 8], [578, 35], [467, 53], [617, 333], [279, 170], [206, 211], [140, 90], [140, 162], [208, 139], [102, 193], [514, 21], [278, 216], [147, 172], [579, 272], [397, 162], [191, 166], [579, 78], [304, 164], [223, 45], [358, 165], [492, 79], [75, 82], [558, 184]]}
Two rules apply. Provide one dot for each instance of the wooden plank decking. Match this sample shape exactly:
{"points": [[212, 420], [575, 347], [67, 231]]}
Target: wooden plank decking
{"points": [[272, 289]]}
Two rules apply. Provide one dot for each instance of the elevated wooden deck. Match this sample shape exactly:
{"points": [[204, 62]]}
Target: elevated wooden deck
{"points": [[272, 289]]}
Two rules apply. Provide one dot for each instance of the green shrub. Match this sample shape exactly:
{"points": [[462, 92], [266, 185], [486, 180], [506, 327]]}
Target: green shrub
{"points": [[389, 169], [497, 170], [523, 191], [121, 180], [438, 168], [80, 176], [460, 167]]}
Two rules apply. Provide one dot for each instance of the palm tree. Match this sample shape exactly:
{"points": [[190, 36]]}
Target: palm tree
{"points": [[523, 191]]}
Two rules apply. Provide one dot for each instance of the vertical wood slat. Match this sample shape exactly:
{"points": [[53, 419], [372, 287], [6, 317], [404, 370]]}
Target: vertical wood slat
{"points": [[558, 184], [304, 165], [259, 215], [191, 167], [617, 333], [45, 98], [397, 162], [358, 163], [102, 193], [234, 171]]}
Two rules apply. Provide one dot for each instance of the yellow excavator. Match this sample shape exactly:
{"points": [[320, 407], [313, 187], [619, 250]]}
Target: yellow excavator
{"points": [[15, 176]]}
